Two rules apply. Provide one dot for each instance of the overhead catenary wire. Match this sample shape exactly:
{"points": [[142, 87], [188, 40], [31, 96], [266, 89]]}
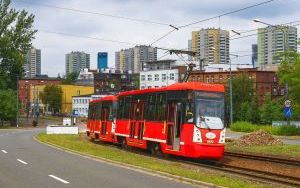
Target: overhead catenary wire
{"points": [[227, 13], [137, 20], [256, 34], [120, 42], [211, 18]]}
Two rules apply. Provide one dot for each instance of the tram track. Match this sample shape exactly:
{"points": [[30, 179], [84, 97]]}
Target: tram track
{"points": [[251, 174], [258, 175], [278, 160]]}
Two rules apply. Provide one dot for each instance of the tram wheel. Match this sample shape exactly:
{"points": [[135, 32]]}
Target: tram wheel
{"points": [[92, 139], [155, 149], [124, 144]]}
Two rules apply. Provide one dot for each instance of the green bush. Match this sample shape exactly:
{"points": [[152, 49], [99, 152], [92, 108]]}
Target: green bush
{"points": [[284, 130]]}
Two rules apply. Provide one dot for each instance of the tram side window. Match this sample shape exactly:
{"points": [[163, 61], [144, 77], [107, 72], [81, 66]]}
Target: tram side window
{"points": [[90, 111], [161, 107], [98, 111], [106, 108], [150, 115], [126, 110], [121, 107]]}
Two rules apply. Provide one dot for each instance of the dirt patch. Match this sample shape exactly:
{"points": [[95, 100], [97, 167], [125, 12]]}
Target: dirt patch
{"points": [[259, 137]]}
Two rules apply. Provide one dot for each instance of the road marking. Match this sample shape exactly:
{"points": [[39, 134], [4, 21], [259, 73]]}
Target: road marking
{"points": [[58, 179], [21, 161], [4, 151]]}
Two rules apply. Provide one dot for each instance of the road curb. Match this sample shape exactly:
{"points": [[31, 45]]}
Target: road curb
{"points": [[132, 167]]}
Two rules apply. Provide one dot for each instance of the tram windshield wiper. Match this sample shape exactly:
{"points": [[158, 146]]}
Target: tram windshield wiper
{"points": [[202, 119]]}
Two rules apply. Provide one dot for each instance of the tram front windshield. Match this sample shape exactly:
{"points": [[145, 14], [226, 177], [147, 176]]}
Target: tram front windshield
{"points": [[209, 110]]}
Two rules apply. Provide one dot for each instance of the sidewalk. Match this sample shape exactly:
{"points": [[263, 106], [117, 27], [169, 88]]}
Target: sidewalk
{"points": [[291, 140]]}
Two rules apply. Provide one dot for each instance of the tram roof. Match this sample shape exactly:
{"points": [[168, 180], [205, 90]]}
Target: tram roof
{"points": [[198, 86], [106, 98]]}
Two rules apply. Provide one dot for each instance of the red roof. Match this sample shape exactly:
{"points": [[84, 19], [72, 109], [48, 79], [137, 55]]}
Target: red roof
{"points": [[106, 98], [199, 86]]}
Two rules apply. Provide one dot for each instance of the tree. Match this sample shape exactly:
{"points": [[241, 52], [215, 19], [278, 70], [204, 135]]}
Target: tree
{"points": [[271, 110], [70, 78], [8, 110], [52, 97], [16, 34], [289, 75], [136, 81], [248, 111], [243, 98]]}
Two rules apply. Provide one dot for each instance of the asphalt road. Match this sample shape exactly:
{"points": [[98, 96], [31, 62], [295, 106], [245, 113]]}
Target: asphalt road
{"points": [[25, 163]]}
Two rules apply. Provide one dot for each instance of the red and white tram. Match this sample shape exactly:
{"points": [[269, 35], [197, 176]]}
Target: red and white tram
{"points": [[184, 119], [101, 121]]}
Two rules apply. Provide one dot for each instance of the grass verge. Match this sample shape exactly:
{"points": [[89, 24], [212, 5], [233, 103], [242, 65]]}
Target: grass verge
{"points": [[278, 150], [76, 143]]}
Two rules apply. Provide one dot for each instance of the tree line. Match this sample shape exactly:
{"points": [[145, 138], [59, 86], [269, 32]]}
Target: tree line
{"points": [[246, 105]]}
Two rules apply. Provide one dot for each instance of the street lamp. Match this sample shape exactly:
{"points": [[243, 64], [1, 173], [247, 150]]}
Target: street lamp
{"points": [[230, 89], [230, 82]]}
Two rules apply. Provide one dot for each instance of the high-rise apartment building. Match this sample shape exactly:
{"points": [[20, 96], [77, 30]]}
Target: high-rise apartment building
{"points": [[211, 45], [272, 40], [132, 59], [75, 61], [102, 60], [32, 65]]}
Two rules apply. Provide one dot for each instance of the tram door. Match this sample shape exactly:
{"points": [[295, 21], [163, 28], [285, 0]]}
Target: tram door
{"points": [[137, 120], [174, 121], [104, 118]]}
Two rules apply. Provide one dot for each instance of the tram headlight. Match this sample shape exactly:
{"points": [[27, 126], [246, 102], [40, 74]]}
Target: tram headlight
{"points": [[197, 135], [222, 136]]}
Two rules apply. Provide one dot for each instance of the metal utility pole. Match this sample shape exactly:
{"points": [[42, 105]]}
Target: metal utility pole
{"points": [[17, 102], [190, 65]]}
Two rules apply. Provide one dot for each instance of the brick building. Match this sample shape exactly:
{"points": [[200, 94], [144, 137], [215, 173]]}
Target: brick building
{"points": [[264, 81], [114, 82]]}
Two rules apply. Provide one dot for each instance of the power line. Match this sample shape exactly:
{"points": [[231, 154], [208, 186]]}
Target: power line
{"points": [[256, 33], [88, 37], [228, 13], [211, 18], [216, 42], [163, 36], [254, 30], [96, 13]]}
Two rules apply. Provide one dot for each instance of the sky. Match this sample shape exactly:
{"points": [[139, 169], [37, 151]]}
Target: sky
{"points": [[61, 31]]}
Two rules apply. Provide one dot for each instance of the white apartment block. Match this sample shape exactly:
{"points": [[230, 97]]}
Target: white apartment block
{"points": [[161, 73], [158, 78], [32, 65], [80, 104]]}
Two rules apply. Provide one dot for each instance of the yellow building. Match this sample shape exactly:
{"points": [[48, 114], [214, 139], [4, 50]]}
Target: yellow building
{"points": [[68, 92], [211, 44]]}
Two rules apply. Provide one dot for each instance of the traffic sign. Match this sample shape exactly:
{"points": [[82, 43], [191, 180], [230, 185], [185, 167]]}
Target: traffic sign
{"points": [[287, 103], [287, 112]]}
